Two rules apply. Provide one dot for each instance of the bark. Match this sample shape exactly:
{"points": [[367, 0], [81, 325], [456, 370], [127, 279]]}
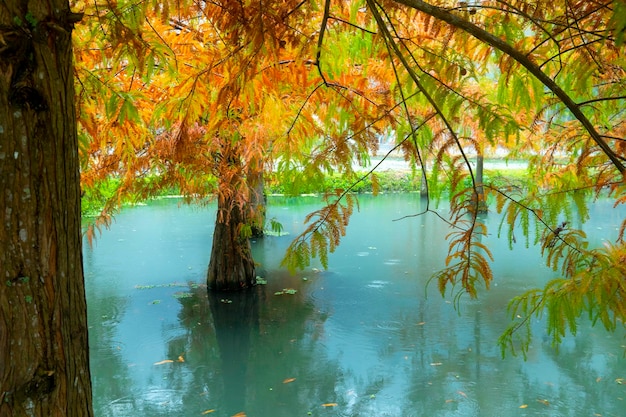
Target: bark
{"points": [[424, 183], [258, 199], [231, 267], [44, 367], [481, 205]]}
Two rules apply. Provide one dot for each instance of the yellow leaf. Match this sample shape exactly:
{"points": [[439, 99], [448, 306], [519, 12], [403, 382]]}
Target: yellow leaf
{"points": [[523, 406], [329, 405], [208, 411], [240, 414], [181, 359], [164, 361], [288, 380]]}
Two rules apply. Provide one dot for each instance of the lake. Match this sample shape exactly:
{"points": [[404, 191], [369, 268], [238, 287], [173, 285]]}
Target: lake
{"points": [[367, 337]]}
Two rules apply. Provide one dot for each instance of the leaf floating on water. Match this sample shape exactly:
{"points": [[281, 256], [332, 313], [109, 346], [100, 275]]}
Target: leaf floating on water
{"points": [[620, 381], [181, 359], [240, 414], [461, 393], [329, 405], [290, 291], [212, 410], [421, 323], [436, 364], [544, 402], [523, 406], [164, 361], [288, 380], [181, 294]]}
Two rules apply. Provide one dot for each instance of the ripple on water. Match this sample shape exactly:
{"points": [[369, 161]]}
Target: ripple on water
{"points": [[377, 284], [153, 399], [112, 316]]}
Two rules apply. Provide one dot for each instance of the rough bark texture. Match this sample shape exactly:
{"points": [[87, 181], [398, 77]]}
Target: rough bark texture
{"points": [[258, 199], [44, 367], [231, 267]]}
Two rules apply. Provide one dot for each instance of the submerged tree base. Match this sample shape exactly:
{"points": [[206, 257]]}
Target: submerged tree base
{"points": [[231, 267]]}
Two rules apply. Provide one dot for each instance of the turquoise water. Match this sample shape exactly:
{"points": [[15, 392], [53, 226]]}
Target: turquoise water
{"points": [[367, 337]]}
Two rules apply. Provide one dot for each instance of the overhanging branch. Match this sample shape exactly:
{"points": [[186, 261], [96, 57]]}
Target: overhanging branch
{"points": [[522, 59]]}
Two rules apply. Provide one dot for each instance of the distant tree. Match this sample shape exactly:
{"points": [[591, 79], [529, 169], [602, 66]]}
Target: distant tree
{"points": [[44, 367]]}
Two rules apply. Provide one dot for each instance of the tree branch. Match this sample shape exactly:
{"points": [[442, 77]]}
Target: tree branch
{"points": [[522, 59]]}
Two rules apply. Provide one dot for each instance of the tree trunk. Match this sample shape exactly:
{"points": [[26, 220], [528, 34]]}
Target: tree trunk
{"points": [[258, 199], [44, 366], [481, 204], [231, 267], [424, 183]]}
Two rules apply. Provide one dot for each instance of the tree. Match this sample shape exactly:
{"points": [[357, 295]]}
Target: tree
{"points": [[212, 125], [305, 90], [44, 369], [554, 64]]}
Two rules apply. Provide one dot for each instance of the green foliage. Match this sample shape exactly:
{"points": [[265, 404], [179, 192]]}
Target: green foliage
{"points": [[95, 197], [386, 181], [323, 234]]}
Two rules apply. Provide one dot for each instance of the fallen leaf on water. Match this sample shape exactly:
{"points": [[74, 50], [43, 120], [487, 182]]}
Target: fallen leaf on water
{"points": [[462, 393], [164, 361], [181, 359], [208, 411], [523, 406], [421, 323], [436, 364], [240, 414], [329, 405], [288, 380], [620, 381], [544, 402], [598, 379]]}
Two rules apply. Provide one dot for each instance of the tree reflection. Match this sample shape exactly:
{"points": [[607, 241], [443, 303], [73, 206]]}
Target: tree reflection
{"points": [[253, 352]]}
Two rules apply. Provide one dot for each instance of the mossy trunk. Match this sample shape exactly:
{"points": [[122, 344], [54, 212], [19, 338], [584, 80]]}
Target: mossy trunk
{"points": [[44, 366]]}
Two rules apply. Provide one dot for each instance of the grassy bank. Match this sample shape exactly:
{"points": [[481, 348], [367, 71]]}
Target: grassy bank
{"points": [[387, 181]]}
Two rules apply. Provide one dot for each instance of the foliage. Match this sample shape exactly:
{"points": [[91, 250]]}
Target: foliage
{"points": [[198, 96]]}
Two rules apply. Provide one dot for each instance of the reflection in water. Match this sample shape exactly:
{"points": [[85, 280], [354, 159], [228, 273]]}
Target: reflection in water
{"points": [[235, 317], [366, 338]]}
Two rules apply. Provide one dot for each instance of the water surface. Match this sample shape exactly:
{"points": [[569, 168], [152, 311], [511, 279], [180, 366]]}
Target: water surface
{"points": [[367, 337]]}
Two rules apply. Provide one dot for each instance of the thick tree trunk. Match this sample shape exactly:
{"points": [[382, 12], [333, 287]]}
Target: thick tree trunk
{"points": [[258, 199], [231, 267], [44, 367]]}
